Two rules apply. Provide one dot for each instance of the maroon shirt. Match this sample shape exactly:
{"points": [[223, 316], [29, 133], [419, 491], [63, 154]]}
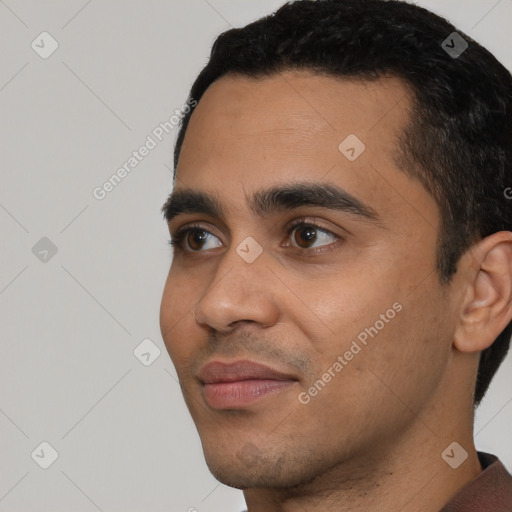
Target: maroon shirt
{"points": [[490, 491]]}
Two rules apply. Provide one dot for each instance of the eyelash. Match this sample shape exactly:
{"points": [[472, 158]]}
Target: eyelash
{"points": [[176, 240]]}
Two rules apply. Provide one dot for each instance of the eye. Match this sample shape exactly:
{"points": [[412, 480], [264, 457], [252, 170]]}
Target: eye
{"points": [[305, 234], [194, 237]]}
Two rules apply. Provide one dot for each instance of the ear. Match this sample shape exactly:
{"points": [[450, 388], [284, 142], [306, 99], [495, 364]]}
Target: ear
{"points": [[487, 306]]}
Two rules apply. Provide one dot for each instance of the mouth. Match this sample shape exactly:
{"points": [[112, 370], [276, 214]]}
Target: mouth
{"points": [[241, 383]]}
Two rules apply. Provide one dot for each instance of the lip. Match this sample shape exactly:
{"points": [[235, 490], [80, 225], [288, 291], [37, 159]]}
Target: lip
{"points": [[217, 371], [241, 383]]}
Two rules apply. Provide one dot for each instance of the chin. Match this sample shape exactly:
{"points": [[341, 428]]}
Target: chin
{"points": [[249, 468]]}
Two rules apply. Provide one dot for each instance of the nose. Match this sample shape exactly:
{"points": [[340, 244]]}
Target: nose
{"points": [[240, 292]]}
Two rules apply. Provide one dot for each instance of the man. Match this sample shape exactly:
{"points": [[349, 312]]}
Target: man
{"points": [[340, 291]]}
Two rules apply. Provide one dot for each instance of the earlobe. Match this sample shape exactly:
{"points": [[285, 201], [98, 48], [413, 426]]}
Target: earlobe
{"points": [[487, 306]]}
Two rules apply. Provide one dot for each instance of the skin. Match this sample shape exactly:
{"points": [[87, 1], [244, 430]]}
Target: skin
{"points": [[372, 438]]}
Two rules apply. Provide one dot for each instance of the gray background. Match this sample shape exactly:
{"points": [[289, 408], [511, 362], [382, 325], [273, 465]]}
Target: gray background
{"points": [[71, 322]]}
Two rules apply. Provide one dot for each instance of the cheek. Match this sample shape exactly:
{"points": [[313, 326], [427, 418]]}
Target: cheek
{"points": [[404, 358], [342, 305], [176, 312], [382, 331], [376, 387]]}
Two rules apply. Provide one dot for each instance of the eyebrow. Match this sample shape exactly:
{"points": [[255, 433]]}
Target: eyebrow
{"points": [[272, 200]]}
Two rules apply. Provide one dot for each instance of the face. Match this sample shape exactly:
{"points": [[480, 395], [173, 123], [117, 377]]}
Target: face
{"points": [[330, 281]]}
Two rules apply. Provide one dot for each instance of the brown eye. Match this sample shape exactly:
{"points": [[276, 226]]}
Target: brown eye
{"points": [[304, 236], [195, 239]]}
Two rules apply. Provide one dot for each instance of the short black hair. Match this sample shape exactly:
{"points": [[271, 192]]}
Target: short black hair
{"points": [[458, 141]]}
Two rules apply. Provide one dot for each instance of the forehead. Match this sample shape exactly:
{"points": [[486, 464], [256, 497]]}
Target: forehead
{"points": [[248, 134], [293, 115]]}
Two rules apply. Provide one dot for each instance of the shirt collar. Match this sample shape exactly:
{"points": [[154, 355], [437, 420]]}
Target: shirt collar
{"points": [[490, 491]]}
